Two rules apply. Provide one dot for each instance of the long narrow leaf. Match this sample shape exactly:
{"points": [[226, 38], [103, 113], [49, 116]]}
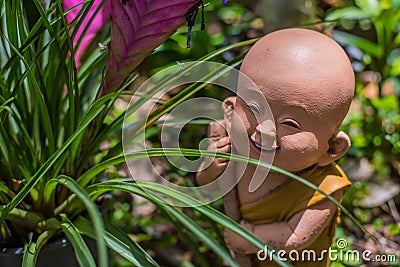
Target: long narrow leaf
{"points": [[82, 252], [93, 213], [353, 40], [119, 242], [6, 190], [203, 235], [32, 249], [156, 152], [349, 13]]}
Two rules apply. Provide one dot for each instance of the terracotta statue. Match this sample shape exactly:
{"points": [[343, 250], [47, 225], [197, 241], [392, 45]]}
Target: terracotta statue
{"points": [[308, 81]]}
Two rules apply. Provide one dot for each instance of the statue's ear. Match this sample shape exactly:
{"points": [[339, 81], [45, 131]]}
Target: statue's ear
{"points": [[227, 108], [339, 144]]}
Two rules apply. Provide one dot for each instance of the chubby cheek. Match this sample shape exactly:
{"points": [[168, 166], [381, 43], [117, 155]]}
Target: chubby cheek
{"points": [[240, 127], [298, 151]]}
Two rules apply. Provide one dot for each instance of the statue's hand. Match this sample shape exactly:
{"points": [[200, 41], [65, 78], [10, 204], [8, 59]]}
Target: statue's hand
{"points": [[237, 243], [219, 142]]}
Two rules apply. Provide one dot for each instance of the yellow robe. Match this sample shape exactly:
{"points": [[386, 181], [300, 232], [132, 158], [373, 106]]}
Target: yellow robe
{"points": [[281, 204]]}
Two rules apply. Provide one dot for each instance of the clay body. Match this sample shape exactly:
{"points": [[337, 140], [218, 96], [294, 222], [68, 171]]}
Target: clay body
{"points": [[308, 82]]}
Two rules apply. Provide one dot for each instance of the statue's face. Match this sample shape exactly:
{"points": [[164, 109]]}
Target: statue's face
{"points": [[296, 136], [308, 83]]}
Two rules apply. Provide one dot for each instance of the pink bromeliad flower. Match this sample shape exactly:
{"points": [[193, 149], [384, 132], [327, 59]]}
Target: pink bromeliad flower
{"points": [[93, 22], [137, 28]]}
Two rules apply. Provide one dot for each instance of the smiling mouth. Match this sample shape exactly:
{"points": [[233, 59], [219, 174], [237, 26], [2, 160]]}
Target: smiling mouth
{"points": [[265, 149]]}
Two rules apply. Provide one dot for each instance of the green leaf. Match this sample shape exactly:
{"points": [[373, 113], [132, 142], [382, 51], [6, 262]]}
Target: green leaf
{"points": [[119, 236], [194, 228], [32, 248], [394, 229], [371, 7], [119, 242], [28, 219], [44, 17], [82, 252], [395, 71], [6, 190], [350, 13], [5, 155], [361, 43], [93, 213], [31, 253]]}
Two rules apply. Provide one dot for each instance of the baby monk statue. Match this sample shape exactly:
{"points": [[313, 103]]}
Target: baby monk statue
{"points": [[308, 82]]}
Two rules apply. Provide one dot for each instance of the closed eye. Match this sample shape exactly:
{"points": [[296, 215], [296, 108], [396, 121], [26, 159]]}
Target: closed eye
{"points": [[291, 123]]}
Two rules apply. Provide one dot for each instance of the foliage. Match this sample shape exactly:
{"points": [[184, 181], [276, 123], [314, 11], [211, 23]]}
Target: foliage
{"points": [[377, 129], [370, 32]]}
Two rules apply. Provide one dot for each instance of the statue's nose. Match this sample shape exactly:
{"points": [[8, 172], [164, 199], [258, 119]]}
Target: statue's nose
{"points": [[265, 134]]}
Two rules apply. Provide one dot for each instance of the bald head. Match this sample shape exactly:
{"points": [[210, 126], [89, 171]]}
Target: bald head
{"points": [[303, 67]]}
